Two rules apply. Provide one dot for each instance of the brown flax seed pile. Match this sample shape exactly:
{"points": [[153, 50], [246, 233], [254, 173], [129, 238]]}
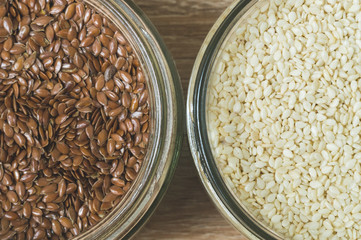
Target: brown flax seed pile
{"points": [[74, 117]]}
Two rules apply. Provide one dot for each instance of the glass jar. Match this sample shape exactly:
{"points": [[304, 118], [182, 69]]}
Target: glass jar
{"points": [[223, 197], [166, 123]]}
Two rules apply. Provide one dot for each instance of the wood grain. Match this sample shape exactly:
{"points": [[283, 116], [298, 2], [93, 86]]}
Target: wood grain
{"points": [[186, 212]]}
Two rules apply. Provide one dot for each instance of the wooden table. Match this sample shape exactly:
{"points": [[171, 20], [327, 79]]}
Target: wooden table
{"points": [[186, 211]]}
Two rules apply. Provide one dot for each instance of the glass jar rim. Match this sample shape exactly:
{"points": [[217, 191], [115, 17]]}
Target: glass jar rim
{"points": [[167, 107], [222, 196]]}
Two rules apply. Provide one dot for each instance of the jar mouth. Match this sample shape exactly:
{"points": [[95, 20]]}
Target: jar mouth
{"points": [[164, 123], [221, 194]]}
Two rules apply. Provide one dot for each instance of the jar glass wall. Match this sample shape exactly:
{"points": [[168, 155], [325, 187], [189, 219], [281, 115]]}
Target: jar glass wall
{"points": [[166, 123], [222, 195]]}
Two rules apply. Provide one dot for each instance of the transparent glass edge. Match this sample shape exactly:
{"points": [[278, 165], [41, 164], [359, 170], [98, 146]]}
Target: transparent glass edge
{"points": [[248, 10], [174, 118], [148, 201], [192, 127]]}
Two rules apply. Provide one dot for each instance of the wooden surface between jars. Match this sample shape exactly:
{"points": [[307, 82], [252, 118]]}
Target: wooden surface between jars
{"points": [[186, 211]]}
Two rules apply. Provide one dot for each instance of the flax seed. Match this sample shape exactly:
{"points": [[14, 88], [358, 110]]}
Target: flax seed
{"points": [[102, 98], [56, 227]]}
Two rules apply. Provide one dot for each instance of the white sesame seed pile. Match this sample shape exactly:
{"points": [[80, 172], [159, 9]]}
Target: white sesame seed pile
{"points": [[284, 116]]}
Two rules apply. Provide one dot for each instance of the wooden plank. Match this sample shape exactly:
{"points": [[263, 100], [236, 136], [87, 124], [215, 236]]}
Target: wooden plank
{"points": [[186, 212]]}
